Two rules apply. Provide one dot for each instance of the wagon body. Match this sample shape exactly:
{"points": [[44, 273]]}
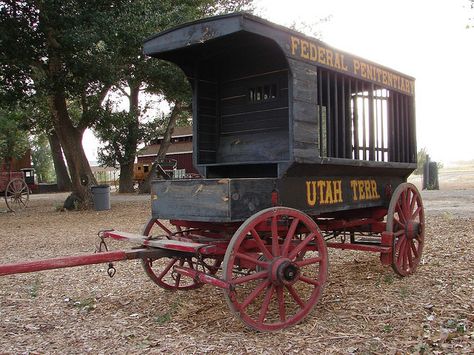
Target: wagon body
{"points": [[325, 130], [6, 177]]}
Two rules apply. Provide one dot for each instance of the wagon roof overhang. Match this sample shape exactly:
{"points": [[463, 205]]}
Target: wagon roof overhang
{"points": [[183, 43]]}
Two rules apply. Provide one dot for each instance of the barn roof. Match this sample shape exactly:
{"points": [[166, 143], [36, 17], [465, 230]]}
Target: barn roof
{"points": [[174, 148]]}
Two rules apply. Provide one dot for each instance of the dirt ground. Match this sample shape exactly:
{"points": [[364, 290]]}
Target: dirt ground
{"points": [[365, 308]]}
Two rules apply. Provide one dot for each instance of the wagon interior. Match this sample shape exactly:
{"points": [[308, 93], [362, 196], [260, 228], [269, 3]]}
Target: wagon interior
{"points": [[258, 112]]}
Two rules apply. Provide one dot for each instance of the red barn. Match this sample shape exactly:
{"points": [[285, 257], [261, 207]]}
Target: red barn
{"points": [[180, 149]]}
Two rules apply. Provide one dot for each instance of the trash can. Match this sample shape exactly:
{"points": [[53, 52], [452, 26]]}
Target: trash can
{"points": [[101, 197]]}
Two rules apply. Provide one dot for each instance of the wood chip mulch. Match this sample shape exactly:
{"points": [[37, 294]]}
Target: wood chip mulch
{"points": [[366, 308]]}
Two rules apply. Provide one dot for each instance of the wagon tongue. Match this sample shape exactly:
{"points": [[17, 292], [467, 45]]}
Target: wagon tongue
{"points": [[147, 249]]}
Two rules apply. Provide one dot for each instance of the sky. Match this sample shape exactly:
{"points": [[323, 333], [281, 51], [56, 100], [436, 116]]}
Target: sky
{"points": [[426, 39]]}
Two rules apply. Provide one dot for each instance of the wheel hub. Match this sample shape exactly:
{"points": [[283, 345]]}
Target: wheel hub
{"points": [[413, 229], [284, 272]]}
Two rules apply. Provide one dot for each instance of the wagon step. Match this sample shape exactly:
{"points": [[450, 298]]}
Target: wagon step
{"points": [[167, 244]]}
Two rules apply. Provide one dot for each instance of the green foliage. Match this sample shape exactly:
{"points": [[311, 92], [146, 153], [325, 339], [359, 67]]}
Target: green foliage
{"points": [[115, 130], [421, 159], [42, 159], [13, 137], [422, 156]]}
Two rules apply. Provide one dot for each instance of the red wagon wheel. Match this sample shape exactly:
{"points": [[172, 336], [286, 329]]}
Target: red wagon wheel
{"points": [[160, 270], [406, 220], [17, 194], [277, 266]]}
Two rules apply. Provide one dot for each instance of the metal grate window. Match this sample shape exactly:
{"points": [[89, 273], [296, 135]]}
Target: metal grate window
{"points": [[360, 120]]}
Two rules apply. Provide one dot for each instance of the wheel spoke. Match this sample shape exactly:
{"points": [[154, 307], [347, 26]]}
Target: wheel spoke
{"points": [[251, 277], [295, 295], [409, 255], [162, 226], [255, 261], [303, 244], [178, 276], [167, 268], [413, 203], [309, 261], [266, 303], [403, 255], [309, 280], [400, 224], [399, 233], [417, 212], [254, 294], [399, 248], [289, 237], [413, 248], [275, 244], [260, 244], [281, 303], [401, 216]]}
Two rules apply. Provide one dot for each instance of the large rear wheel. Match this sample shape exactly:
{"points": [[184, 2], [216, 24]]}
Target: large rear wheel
{"points": [[277, 266], [406, 220]]}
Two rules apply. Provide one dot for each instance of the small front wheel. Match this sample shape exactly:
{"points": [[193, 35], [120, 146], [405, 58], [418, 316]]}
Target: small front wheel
{"points": [[160, 270]]}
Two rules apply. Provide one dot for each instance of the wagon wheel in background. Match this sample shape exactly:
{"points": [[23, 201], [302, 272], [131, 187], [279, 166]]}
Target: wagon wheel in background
{"points": [[406, 220], [17, 194], [160, 270], [286, 269]]}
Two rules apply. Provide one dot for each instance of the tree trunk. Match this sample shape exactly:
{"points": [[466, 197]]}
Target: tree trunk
{"points": [[70, 138], [62, 176], [165, 143], [126, 163], [126, 178]]}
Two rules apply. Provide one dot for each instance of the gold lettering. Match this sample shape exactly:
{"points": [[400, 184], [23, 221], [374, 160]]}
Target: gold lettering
{"points": [[360, 184], [356, 66], [384, 78], [343, 64], [329, 57], [294, 44], [337, 188], [370, 72], [311, 192], [329, 198], [313, 52], [375, 194], [304, 49], [363, 70], [321, 191], [321, 55], [368, 194], [354, 189], [337, 61]]}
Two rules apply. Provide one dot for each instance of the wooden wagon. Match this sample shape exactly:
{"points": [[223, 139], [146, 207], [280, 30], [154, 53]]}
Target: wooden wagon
{"points": [[15, 186], [301, 147]]}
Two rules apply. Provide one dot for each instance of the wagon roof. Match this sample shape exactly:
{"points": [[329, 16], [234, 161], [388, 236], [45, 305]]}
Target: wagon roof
{"points": [[182, 45]]}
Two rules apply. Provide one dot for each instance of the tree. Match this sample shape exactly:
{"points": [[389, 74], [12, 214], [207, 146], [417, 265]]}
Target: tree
{"points": [[54, 49], [41, 158], [138, 74], [13, 137]]}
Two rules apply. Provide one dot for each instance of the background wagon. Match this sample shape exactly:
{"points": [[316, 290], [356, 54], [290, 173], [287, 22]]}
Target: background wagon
{"points": [[16, 186]]}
